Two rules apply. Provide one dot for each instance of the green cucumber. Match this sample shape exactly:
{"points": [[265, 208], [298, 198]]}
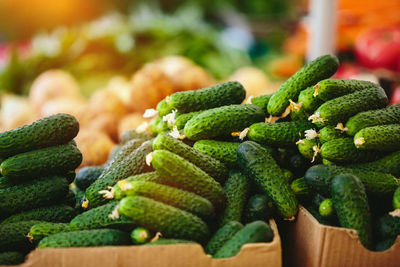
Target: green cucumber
{"points": [[13, 236], [99, 218], [163, 108], [86, 238], [215, 96], [307, 148], [300, 188], [262, 102], [153, 125], [172, 196], [222, 235], [388, 115], [169, 241], [87, 175], [6, 182], [237, 189], [208, 164], [125, 150], [185, 175], [278, 134], [267, 176], [132, 164], [140, 235], [159, 217], [332, 88], [41, 230], [321, 68], [379, 138], [315, 213], [329, 133], [11, 258], [351, 205], [182, 119], [257, 231], [396, 199], [222, 121], [42, 162], [154, 177], [385, 244], [310, 102], [326, 208], [299, 114], [287, 175], [133, 134], [50, 131], [259, 207], [388, 226], [319, 177], [37, 193], [387, 164], [344, 151], [342, 108], [220, 150], [56, 213]]}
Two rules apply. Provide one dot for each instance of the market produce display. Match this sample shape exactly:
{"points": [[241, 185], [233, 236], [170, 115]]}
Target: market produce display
{"points": [[217, 178]]}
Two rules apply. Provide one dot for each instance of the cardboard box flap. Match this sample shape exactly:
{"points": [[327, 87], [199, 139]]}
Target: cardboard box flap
{"points": [[182, 255]]}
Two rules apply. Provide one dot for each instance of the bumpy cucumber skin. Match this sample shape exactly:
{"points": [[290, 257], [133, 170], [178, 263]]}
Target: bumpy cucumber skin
{"points": [[140, 236], [332, 88], [172, 196], [43, 162], [329, 133], [99, 218], [222, 235], [169, 241], [148, 177], [6, 182], [326, 208], [259, 207], [288, 175], [41, 230], [300, 188], [215, 96], [262, 102], [299, 115], [86, 238], [37, 193], [153, 125], [56, 213], [134, 163], [257, 231], [306, 149], [321, 68], [267, 175], [211, 166], [12, 236], [396, 199], [159, 217], [133, 134], [11, 258], [344, 151], [319, 177], [87, 175], [380, 138], [387, 164], [185, 175], [125, 150], [310, 102], [278, 134], [163, 108], [388, 226], [50, 131], [385, 244], [182, 119], [342, 108], [237, 189], [222, 121], [351, 205], [220, 150], [388, 115]]}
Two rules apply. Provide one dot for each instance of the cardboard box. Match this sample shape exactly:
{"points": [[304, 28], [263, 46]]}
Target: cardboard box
{"points": [[310, 244], [180, 255]]}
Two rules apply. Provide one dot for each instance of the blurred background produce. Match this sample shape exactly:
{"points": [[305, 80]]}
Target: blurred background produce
{"points": [[105, 62]]}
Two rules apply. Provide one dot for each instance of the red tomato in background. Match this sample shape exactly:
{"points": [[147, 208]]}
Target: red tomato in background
{"points": [[395, 96], [379, 48]]}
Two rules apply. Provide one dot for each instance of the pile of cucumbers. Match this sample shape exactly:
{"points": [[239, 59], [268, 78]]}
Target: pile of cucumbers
{"points": [[38, 164], [213, 171]]}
